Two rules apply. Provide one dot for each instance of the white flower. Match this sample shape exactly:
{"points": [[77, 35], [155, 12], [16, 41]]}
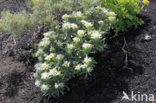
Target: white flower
{"points": [[78, 14], [52, 49], [54, 72], [86, 23], [35, 75], [80, 33], [45, 75], [84, 66], [44, 87], [89, 70], [98, 7], [111, 18], [38, 66], [45, 55], [45, 42], [70, 46], [105, 11], [68, 25], [45, 66], [87, 60], [95, 35], [78, 67], [111, 14], [59, 85], [87, 46], [50, 57], [39, 52], [66, 64], [48, 34], [60, 57], [65, 17], [76, 39], [37, 83], [74, 26], [101, 22]]}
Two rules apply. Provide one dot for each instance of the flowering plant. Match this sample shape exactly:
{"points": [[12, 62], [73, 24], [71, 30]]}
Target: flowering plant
{"points": [[64, 53], [127, 12]]}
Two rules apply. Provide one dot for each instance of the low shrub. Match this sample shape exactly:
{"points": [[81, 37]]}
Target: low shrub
{"points": [[127, 11], [64, 53], [16, 23], [42, 13]]}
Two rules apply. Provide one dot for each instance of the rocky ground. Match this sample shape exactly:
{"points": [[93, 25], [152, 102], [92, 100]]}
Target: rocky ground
{"points": [[109, 79]]}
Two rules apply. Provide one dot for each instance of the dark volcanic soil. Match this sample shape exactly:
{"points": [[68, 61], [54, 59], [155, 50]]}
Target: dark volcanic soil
{"points": [[108, 80]]}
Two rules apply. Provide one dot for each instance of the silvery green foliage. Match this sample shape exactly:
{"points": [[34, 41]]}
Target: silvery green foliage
{"points": [[16, 23], [64, 53]]}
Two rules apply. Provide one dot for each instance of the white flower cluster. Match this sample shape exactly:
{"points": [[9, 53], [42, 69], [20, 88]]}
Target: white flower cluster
{"points": [[65, 17], [95, 35], [80, 33], [38, 66], [48, 34], [84, 67], [87, 46], [50, 57], [76, 39], [68, 26], [58, 85], [101, 22], [105, 11], [45, 76], [45, 42], [38, 83], [70, 46], [86, 23], [66, 64], [54, 72], [78, 67], [45, 66], [42, 66], [112, 16], [77, 14], [39, 52], [87, 60], [44, 87], [98, 8], [60, 57], [52, 49], [64, 53]]}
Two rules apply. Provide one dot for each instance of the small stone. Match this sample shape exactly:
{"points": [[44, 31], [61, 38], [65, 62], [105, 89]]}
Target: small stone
{"points": [[148, 38]]}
